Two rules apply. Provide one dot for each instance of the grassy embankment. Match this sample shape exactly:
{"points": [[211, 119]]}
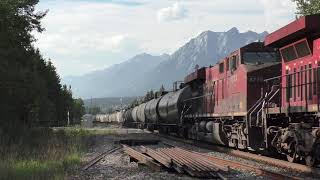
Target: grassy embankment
{"points": [[43, 153]]}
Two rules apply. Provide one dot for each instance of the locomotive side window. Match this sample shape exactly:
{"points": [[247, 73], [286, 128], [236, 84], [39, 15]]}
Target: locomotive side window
{"points": [[262, 57], [221, 67], [302, 49], [234, 62], [288, 54]]}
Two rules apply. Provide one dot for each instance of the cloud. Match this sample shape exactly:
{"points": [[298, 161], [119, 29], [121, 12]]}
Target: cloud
{"points": [[118, 2], [174, 12], [86, 35], [82, 33], [277, 13]]}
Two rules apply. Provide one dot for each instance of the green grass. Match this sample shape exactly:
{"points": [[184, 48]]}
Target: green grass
{"points": [[73, 131], [43, 153]]}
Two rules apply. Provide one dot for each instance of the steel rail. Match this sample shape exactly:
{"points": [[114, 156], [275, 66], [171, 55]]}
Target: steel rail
{"points": [[250, 156], [99, 157]]}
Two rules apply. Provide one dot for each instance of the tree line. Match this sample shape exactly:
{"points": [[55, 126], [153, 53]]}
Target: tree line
{"points": [[148, 96], [30, 88]]}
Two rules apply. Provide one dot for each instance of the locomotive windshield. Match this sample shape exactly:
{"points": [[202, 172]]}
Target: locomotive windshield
{"points": [[260, 57]]}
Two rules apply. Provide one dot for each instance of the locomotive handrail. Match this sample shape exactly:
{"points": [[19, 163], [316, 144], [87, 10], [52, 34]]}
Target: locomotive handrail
{"points": [[198, 97], [261, 98], [260, 111], [304, 70], [274, 94], [183, 113], [255, 107], [277, 77]]}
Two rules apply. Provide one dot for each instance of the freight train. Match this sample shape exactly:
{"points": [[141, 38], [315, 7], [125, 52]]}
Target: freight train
{"points": [[263, 97]]}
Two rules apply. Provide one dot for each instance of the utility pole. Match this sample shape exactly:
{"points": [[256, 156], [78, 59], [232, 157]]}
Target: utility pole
{"points": [[68, 118], [90, 109]]}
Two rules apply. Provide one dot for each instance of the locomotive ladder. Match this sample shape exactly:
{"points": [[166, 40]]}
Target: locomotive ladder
{"points": [[255, 113]]}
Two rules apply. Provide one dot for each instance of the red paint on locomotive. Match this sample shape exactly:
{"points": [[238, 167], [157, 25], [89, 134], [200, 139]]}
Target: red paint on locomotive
{"points": [[299, 47], [234, 84]]}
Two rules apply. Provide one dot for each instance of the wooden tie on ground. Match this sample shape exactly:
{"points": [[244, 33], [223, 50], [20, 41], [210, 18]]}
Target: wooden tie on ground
{"points": [[180, 160], [141, 158]]}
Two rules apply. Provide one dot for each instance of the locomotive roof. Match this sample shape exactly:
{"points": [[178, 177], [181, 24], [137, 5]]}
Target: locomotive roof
{"points": [[306, 25], [252, 47], [256, 46], [198, 74]]}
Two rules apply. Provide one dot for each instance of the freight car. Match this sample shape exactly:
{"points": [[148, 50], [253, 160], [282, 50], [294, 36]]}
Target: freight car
{"points": [[263, 97], [101, 118], [115, 117]]}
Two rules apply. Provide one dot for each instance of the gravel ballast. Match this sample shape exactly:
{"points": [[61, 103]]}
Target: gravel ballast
{"points": [[118, 166]]}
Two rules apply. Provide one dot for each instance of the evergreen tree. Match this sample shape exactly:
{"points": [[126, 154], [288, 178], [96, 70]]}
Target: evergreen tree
{"points": [[30, 88], [147, 97], [307, 7], [78, 110], [152, 94]]}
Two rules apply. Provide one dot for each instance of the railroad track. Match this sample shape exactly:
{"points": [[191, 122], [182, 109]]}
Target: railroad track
{"points": [[194, 163], [250, 156], [99, 157]]}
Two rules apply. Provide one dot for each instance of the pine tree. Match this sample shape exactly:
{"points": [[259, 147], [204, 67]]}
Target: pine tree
{"points": [[30, 89], [307, 7], [152, 94]]}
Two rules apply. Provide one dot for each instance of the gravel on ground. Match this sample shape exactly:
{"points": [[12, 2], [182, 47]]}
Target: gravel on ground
{"points": [[117, 165]]}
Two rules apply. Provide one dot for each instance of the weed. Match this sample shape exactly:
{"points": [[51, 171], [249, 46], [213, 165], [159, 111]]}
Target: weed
{"points": [[43, 153]]}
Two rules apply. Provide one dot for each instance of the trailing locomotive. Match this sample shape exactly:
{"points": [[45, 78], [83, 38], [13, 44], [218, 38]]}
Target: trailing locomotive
{"points": [[263, 97]]}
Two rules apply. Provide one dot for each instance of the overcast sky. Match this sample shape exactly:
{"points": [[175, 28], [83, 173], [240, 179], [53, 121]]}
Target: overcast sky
{"points": [[86, 35]]}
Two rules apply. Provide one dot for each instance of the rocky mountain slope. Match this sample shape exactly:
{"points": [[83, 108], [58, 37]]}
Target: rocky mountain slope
{"points": [[144, 72]]}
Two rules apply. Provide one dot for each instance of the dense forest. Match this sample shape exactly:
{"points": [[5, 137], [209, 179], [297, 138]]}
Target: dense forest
{"points": [[30, 89]]}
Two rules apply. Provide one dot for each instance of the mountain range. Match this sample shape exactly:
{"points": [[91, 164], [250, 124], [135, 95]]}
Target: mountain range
{"points": [[144, 71]]}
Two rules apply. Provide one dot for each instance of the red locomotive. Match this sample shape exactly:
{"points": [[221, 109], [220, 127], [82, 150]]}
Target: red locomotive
{"points": [[228, 93], [263, 97], [298, 135]]}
